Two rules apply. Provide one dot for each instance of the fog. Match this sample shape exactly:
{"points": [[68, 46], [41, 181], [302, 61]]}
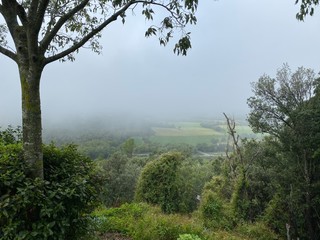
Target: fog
{"points": [[233, 44]]}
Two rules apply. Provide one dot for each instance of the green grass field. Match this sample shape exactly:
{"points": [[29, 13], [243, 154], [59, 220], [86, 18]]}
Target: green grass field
{"points": [[193, 133], [185, 129]]}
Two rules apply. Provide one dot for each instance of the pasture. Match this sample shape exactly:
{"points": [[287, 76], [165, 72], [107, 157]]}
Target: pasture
{"points": [[193, 133]]}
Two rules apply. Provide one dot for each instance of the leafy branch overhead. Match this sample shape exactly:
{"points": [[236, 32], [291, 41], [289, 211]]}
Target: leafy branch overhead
{"points": [[307, 7], [57, 29]]}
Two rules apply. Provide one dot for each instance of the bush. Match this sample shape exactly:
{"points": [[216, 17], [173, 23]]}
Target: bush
{"points": [[122, 174], [159, 183], [277, 214], [188, 237], [56, 207], [215, 208], [257, 231]]}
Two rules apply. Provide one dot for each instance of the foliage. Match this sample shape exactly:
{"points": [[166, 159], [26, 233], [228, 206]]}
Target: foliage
{"points": [[188, 237], [143, 222], [10, 135], [140, 221], [275, 99], [174, 183], [193, 174], [307, 7], [128, 147], [214, 207], [257, 230], [65, 26], [158, 182], [277, 214], [287, 108], [213, 211], [121, 176], [240, 197], [54, 208]]}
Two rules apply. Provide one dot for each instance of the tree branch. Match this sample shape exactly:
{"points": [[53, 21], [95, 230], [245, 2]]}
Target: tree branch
{"points": [[40, 14], [10, 15], [86, 38], [51, 34], [33, 8], [8, 53], [232, 132]]}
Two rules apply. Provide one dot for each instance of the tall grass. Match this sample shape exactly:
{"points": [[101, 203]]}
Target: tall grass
{"points": [[140, 221]]}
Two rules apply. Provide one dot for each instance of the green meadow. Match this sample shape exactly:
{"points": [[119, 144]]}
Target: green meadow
{"points": [[194, 133]]}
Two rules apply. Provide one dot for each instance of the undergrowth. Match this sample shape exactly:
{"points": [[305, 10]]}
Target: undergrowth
{"points": [[141, 221]]}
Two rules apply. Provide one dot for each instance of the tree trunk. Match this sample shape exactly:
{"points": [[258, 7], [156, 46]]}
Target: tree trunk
{"points": [[31, 119]]}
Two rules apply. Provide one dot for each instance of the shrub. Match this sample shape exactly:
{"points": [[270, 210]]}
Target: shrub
{"points": [[56, 207], [257, 231], [277, 214], [159, 183], [215, 208], [240, 198], [215, 213], [188, 237], [122, 174]]}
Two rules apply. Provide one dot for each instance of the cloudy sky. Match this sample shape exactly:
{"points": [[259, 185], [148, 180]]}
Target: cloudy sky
{"points": [[233, 44]]}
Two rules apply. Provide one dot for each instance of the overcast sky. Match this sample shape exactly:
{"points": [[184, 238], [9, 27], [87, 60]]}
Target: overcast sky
{"points": [[233, 44]]}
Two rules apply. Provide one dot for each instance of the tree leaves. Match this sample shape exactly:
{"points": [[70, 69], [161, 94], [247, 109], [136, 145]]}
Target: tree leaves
{"points": [[62, 27], [183, 45], [275, 99], [306, 8]]}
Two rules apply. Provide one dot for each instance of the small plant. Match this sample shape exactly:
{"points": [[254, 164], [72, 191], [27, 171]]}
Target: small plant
{"points": [[188, 237]]}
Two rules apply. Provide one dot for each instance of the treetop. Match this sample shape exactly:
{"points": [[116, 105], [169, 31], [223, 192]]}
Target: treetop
{"points": [[57, 29]]}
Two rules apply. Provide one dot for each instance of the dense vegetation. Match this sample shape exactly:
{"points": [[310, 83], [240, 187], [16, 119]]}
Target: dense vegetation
{"points": [[262, 188], [56, 207]]}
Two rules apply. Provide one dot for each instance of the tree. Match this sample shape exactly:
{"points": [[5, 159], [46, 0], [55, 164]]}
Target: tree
{"points": [[287, 107], [46, 31], [276, 99], [128, 147], [121, 173], [159, 182]]}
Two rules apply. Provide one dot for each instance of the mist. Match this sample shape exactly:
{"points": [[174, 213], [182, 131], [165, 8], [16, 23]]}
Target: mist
{"points": [[233, 44]]}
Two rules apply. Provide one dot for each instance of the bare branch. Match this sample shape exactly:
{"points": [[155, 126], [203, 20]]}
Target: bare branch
{"points": [[8, 53], [235, 138]]}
